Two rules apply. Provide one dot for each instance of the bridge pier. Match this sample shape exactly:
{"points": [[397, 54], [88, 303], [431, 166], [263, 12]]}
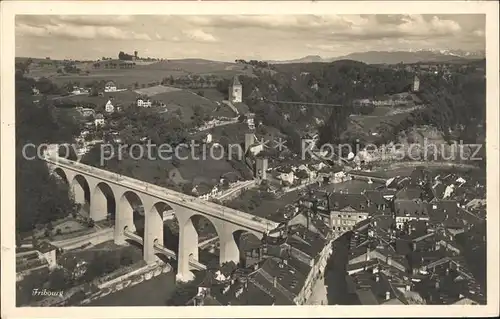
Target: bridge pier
{"points": [[188, 248], [124, 218], [229, 250], [153, 233], [98, 205], [78, 193]]}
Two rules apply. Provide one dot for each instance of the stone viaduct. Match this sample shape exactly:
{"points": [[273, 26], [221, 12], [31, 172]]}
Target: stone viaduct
{"points": [[91, 185]]}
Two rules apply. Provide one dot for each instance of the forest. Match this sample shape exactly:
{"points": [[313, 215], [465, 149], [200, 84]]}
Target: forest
{"points": [[40, 197], [456, 103]]}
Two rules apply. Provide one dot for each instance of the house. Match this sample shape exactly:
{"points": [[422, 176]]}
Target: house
{"points": [[205, 191], [406, 210], [256, 148], [144, 102], [77, 90], [86, 111], [261, 165], [236, 91], [344, 219], [208, 139], [110, 87], [250, 120], [99, 120], [109, 107], [287, 177], [48, 252]]}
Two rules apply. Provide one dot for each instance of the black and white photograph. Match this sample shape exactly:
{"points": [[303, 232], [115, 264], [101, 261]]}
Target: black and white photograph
{"points": [[255, 157]]}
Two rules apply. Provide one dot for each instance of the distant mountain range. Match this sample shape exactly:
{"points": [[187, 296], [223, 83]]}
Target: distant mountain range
{"points": [[394, 57]]}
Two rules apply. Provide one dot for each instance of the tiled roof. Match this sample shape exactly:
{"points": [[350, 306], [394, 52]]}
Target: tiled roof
{"points": [[236, 81], [450, 215], [307, 242], [366, 296], [279, 298], [370, 291], [45, 247], [243, 293], [409, 192], [287, 276], [375, 197], [356, 201], [410, 207], [361, 265]]}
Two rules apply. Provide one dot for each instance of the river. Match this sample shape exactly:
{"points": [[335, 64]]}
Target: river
{"points": [[154, 292]]}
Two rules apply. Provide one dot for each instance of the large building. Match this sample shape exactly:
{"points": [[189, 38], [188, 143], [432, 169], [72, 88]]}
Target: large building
{"points": [[236, 91]]}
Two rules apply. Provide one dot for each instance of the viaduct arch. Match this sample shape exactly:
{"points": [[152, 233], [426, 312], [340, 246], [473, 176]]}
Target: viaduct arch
{"points": [[109, 193]]}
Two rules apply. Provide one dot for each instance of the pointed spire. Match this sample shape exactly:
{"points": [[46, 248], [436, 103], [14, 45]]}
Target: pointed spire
{"points": [[236, 81]]}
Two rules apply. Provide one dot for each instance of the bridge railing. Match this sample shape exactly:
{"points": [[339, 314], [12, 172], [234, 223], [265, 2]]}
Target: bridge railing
{"points": [[165, 250], [133, 236]]}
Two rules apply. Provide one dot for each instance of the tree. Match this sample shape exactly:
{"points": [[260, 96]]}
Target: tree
{"points": [[40, 196]]}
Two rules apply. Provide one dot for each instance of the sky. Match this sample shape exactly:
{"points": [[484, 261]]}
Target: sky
{"points": [[230, 37]]}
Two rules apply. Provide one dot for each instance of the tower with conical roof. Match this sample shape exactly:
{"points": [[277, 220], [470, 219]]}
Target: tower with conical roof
{"points": [[236, 91]]}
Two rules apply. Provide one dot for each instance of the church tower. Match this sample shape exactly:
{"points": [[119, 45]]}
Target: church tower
{"points": [[416, 84], [236, 91]]}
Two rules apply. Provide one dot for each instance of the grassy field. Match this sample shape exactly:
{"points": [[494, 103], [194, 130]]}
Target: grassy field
{"points": [[123, 78], [177, 99], [143, 74], [370, 123], [186, 101], [165, 173], [123, 97], [155, 90], [212, 94]]}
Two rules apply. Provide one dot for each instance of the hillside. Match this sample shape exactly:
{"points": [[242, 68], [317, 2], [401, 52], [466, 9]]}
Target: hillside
{"points": [[199, 67], [394, 57], [448, 103]]}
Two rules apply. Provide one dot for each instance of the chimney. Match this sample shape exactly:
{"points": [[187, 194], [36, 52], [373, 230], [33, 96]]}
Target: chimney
{"points": [[387, 295], [377, 278], [275, 282], [437, 285], [408, 287], [389, 260], [367, 253]]}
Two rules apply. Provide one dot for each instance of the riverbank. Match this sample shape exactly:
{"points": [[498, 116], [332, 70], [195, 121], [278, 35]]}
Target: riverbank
{"points": [[154, 292]]}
